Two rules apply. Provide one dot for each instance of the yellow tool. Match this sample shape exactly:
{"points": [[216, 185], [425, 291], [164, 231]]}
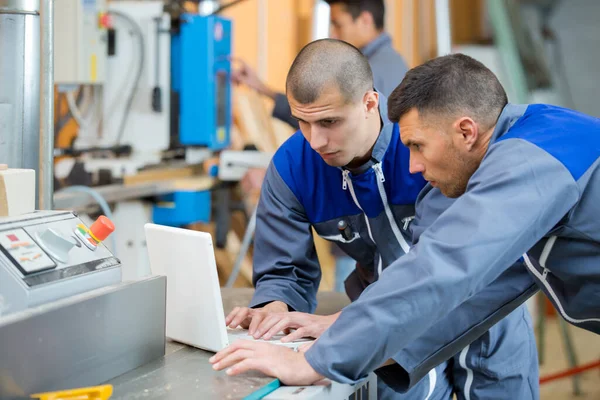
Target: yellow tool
{"points": [[90, 393]]}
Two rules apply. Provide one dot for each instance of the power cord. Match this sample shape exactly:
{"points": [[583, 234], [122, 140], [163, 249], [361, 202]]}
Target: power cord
{"points": [[138, 31]]}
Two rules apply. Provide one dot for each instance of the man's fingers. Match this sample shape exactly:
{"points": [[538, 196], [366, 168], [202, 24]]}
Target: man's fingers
{"points": [[233, 358], [278, 327], [251, 364], [241, 315], [267, 325], [231, 315], [246, 323], [257, 318], [225, 352], [237, 60], [295, 335]]}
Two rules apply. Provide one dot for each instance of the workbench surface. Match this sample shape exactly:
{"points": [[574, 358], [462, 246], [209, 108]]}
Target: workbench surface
{"points": [[185, 372]]}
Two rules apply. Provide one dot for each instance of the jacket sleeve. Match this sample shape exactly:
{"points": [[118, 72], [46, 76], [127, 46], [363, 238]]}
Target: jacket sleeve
{"points": [[283, 112], [463, 326], [467, 322], [516, 196], [286, 267]]}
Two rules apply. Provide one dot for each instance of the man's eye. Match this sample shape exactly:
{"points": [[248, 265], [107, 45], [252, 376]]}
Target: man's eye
{"points": [[417, 147], [328, 122]]}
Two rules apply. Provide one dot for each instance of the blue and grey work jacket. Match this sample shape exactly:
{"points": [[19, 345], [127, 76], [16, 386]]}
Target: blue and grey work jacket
{"points": [[301, 191], [532, 205]]}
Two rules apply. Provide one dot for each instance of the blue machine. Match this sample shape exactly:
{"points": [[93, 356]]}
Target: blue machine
{"points": [[200, 76], [183, 208], [201, 106]]}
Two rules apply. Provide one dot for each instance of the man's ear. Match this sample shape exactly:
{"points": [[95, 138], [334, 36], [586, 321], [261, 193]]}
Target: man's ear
{"points": [[366, 18], [465, 132], [371, 102]]}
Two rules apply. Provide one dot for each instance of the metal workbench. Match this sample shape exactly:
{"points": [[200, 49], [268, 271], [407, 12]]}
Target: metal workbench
{"points": [[184, 372]]}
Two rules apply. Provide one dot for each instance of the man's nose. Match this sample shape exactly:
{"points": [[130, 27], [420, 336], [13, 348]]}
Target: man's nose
{"points": [[318, 141], [416, 166]]}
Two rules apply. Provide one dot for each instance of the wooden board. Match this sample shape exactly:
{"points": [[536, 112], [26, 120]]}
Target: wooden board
{"points": [[161, 174], [193, 184]]}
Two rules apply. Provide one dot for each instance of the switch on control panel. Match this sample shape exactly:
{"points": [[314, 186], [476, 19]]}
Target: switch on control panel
{"points": [[57, 245]]}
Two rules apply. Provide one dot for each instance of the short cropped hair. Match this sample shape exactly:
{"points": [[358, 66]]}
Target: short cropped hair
{"points": [[448, 85], [325, 62]]}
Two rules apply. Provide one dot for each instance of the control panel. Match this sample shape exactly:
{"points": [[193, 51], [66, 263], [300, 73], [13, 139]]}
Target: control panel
{"points": [[80, 41], [24, 252], [48, 255]]}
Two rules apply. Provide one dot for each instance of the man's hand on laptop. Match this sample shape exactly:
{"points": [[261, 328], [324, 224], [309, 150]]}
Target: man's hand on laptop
{"points": [[305, 325], [290, 367], [250, 318]]}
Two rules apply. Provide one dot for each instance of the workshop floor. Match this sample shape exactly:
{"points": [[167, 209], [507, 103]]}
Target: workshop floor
{"points": [[587, 345]]}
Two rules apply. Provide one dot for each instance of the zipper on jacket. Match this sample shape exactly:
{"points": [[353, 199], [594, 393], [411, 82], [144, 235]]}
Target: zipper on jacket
{"points": [[406, 221], [347, 183], [388, 211], [345, 180]]}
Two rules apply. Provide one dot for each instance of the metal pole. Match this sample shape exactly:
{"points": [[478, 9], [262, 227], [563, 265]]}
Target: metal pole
{"points": [[19, 83], [46, 176], [507, 47], [243, 250], [443, 28]]}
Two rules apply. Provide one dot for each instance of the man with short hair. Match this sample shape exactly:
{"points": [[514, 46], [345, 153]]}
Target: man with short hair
{"points": [[346, 174], [526, 183], [360, 23]]}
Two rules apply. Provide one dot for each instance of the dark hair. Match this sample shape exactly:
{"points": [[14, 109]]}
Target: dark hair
{"points": [[325, 62], [448, 85], [355, 7]]}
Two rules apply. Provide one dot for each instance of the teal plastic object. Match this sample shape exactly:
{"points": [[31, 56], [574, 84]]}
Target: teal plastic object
{"points": [[264, 391]]}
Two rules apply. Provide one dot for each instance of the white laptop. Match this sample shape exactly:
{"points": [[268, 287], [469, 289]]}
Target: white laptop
{"points": [[195, 313]]}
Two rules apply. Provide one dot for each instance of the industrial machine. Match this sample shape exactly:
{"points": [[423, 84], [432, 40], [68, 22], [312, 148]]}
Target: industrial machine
{"points": [[201, 84], [50, 255], [69, 317], [160, 96], [66, 317]]}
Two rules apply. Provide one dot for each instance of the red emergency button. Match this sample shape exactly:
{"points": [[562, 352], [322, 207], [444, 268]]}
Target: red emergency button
{"points": [[104, 20], [102, 228]]}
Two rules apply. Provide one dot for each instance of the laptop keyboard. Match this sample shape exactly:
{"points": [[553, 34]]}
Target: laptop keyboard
{"points": [[243, 334]]}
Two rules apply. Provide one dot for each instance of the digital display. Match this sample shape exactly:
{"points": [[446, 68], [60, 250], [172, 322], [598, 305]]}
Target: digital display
{"points": [[24, 251]]}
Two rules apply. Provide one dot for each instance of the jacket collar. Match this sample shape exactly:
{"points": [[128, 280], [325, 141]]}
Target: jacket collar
{"points": [[383, 40]]}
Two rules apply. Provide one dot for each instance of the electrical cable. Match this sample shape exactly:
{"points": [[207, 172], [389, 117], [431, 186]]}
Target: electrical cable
{"points": [[138, 31]]}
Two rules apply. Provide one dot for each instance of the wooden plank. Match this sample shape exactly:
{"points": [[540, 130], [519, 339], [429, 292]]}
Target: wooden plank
{"points": [[161, 174], [252, 122], [281, 131], [327, 262], [193, 184]]}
